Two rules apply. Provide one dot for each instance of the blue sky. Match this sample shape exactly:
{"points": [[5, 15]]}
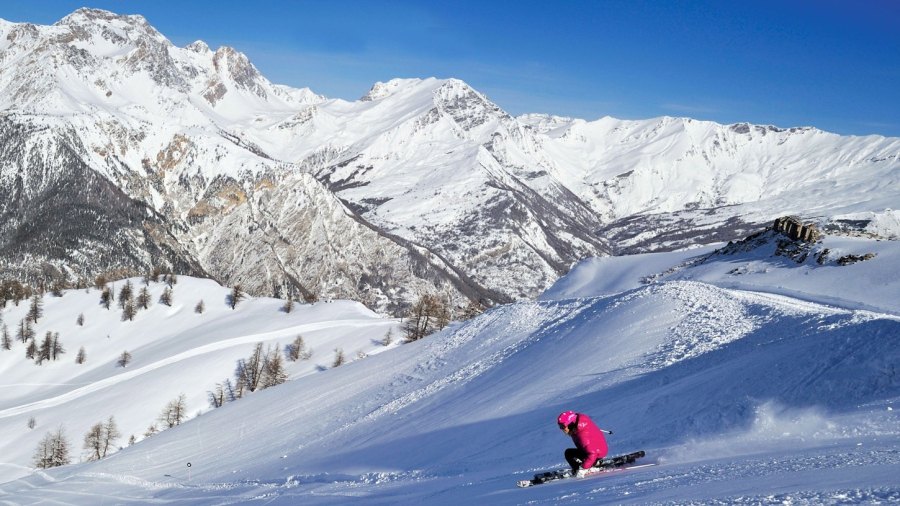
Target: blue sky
{"points": [[830, 64]]}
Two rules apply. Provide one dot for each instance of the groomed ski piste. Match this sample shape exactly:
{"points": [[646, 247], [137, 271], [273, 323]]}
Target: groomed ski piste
{"points": [[747, 378]]}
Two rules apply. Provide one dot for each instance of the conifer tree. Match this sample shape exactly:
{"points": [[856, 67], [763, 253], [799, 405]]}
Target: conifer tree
{"points": [[80, 320], [31, 350], [5, 341], [288, 306], [143, 298], [81, 356], [273, 370], [57, 348], [128, 310], [200, 307], [126, 294], [235, 297], [100, 282], [124, 359], [53, 450], [45, 352], [166, 297], [36, 309], [106, 297], [174, 413], [297, 350]]}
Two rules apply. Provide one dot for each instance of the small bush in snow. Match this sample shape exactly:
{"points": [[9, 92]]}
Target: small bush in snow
{"points": [[339, 359]]}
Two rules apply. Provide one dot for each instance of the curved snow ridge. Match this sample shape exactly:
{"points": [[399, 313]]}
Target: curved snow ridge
{"points": [[715, 316], [521, 322], [200, 350]]}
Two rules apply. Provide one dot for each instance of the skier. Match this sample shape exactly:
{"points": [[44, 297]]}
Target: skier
{"points": [[589, 441]]}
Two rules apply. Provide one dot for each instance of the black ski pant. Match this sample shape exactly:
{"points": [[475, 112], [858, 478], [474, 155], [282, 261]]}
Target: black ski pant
{"points": [[575, 457]]}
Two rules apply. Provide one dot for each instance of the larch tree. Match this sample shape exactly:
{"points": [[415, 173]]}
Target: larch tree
{"points": [[200, 307], [56, 348], [81, 356], [143, 298], [36, 309], [126, 293], [129, 310], [273, 370], [297, 350], [166, 297], [80, 320], [235, 296], [53, 450], [339, 359], [124, 359], [5, 341], [174, 413]]}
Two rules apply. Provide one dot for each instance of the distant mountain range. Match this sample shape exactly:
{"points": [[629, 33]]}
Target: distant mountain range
{"points": [[121, 152]]}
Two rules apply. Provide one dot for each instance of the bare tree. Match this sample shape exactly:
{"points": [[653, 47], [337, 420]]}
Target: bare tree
{"points": [[235, 296], [200, 307], [57, 287], [131, 440], [174, 413], [249, 372], [143, 298], [151, 430], [46, 349], [288, 306], [339, 359], [93, 442], [31, 350], [5, 341], [56, 348], [273, 370], [36, 309], [124, 359], [472, 309], [111, 433], [106, 297], [171, 279], [31, 422], [128, 310], [388, 337], [80, 320], [166, 297], [126, 294], [425, 317], [53, 450], [297, 350], [100, 282], [81, 356]]}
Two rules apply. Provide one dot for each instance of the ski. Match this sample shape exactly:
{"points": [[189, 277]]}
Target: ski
{"points": [[607, 465]]}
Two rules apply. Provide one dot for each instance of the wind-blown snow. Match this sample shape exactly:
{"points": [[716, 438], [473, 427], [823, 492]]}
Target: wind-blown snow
{"points": [[739, 396]]}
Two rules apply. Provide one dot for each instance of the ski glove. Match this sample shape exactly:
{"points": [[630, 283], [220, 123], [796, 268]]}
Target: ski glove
{"points": [[581, 473]]}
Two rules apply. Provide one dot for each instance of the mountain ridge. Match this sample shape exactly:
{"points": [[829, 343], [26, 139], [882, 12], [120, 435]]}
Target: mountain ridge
{"points": [[469, 201]]}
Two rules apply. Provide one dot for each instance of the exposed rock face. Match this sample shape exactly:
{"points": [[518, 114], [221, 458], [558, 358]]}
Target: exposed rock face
{"points": [[792, 227]]}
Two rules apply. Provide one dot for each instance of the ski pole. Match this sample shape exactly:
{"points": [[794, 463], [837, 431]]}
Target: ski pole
{"points": [[606, 431]]}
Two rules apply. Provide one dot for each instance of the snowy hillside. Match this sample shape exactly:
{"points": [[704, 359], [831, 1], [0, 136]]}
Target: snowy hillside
{"points": [[174, 350], [121, 151], [756, 393]]}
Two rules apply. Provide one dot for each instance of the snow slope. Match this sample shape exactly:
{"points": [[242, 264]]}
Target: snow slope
{"points": [[739, 396]]}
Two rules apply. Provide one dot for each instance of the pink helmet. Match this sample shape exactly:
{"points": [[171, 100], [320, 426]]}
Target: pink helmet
{"points": [[566, 417]]}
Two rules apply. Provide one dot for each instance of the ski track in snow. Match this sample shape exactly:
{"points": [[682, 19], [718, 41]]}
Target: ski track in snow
{"points": [[200, 350]]}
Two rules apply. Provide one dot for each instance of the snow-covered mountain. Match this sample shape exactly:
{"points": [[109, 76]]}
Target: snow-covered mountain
{"points": [[749, 373], [120, 151]]}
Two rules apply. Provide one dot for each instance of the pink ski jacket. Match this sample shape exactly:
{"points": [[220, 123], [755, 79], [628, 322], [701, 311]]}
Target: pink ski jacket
{"points": [[590, 439]]}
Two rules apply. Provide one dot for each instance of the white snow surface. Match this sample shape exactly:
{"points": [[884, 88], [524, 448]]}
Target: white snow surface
{"points": [[748, 378]]}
